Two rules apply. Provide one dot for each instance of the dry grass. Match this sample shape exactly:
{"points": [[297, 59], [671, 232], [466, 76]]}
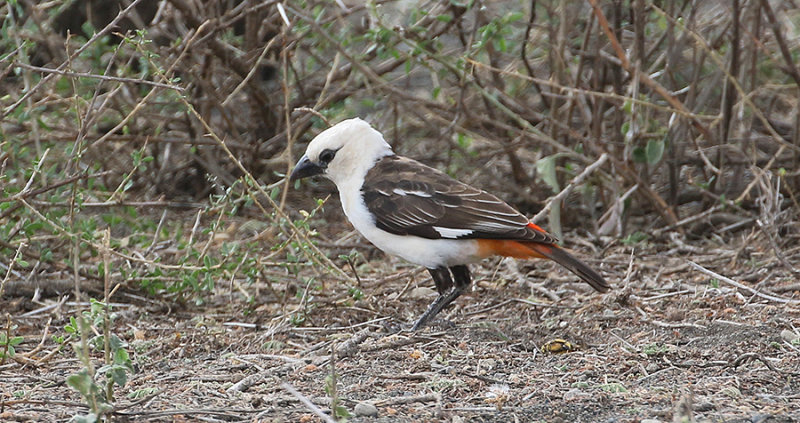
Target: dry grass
{"points": [[666, 339]]}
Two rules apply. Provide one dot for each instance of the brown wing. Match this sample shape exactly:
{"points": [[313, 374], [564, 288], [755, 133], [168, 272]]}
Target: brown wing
{"points": [[408, 198]]}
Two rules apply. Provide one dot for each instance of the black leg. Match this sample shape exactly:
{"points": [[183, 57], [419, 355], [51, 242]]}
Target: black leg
{"points": [[462, 281], [461, 276], [441, 277]]}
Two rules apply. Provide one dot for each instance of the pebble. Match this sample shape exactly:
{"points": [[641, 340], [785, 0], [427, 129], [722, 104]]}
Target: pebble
{"points": [[576, 394], [421, 292], [704, 406], [651, 421], [365, 409], [789, 336]]}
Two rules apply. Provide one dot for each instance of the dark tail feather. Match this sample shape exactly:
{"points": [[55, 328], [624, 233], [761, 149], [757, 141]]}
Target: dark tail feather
{"points": [[574, 265]]}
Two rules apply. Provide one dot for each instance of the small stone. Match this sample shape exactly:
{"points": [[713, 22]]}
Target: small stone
{"points": [[731, 391], [789, 336], [365, 409], [609, 315], [486, 364], [652, 368], [421, 293], [761, 418], [651, 421], [576, 394], [704, 406], [675, 315]]}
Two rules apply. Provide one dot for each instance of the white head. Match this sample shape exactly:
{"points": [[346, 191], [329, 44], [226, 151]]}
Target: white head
{"points": [[345, 150]]}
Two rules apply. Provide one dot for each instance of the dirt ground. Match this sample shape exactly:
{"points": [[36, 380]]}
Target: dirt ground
{"points": [[668, 343]]}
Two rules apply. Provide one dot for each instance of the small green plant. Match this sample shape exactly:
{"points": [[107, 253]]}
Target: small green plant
{"points": [[88, 381], [7, 344], [351, 261], [731, 391], [142, 393], [655, 349], [273, 345], [356, 293], [635, 238], [331, 381], [614, 388]]}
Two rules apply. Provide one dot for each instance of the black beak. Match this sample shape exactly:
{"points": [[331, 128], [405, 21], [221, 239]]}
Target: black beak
{"points": [[305, 168]]}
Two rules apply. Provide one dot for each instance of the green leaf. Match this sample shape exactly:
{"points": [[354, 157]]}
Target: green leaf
{"points": [[119, 375], [513, 17], [46, 255], [635, 238], [547, 171], [624, 128], [82, 383], [340, 412], [116, 344], [141, 393], [627, 107], [501, 44], [639, 155], [31, 228], [72, 327], [444, 18], [615, 388], [121, 357], [654, 151]]}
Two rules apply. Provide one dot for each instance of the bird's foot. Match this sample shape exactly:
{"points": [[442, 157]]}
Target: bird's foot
{"points": [[394, 327], [422, 321], [442, 301], [430, 321], [442, 323]]}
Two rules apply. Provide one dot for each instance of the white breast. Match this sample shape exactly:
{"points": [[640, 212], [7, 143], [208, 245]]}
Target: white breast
{"points": [[430, 253]]}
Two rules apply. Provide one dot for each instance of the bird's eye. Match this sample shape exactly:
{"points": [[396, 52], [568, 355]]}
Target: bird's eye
{"points": [[326, 156]]}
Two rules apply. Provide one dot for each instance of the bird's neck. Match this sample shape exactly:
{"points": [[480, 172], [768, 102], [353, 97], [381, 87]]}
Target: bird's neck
{"points": [[353, 179], [350, 189]]}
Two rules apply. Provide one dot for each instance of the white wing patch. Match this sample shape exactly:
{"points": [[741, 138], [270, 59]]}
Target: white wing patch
{"points": [[403, 193], [452, 233]]}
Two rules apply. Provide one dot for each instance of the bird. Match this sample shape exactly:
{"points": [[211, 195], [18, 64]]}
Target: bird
{"points": [[422, 215]]}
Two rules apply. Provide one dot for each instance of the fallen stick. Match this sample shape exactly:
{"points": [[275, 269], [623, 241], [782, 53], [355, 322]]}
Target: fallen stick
{"points": [[742, 286], [307, 402]]}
